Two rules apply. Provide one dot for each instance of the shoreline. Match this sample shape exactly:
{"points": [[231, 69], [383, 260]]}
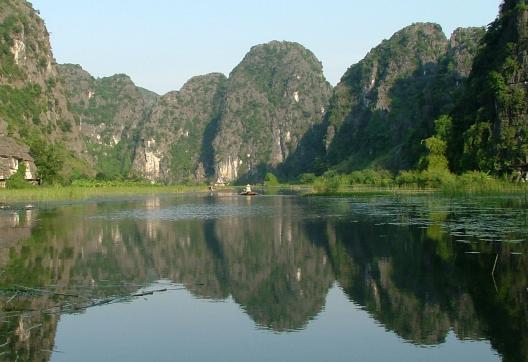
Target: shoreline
{"points": [[68, 193]]}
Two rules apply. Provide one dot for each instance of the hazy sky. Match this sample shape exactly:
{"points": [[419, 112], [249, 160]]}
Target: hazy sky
{"points": [[162, 43]]}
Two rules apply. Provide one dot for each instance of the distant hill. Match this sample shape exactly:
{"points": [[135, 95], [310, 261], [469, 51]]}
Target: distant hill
{"points": [[275, 112]]}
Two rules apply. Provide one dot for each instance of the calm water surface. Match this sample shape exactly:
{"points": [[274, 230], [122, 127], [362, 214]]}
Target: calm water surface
{"points": [[269, 278]]}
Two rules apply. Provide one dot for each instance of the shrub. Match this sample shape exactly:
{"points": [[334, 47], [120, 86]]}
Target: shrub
{"points": [[48, 159], [429, 178], [410, 177], [329, 183], [270, 179], [307, 178], [371, 177], [436, 178], [18, 180], [475, 182]]}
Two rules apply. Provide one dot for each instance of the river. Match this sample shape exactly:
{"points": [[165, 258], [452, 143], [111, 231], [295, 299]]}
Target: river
{"points": [[265, 278]]}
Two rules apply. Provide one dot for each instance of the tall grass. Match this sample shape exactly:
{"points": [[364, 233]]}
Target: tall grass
{"points": [[478, 183], [76, 192], [408, 182]]}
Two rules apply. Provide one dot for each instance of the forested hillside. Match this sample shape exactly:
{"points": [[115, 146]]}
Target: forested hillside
{"points": [[490, 123], [386, 104], [415, 96], [33, 108]]}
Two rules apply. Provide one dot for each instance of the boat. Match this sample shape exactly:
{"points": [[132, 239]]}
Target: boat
{"points": [[248, 193]]}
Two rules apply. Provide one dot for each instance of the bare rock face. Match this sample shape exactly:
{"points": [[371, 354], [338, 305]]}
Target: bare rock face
{"points": [[32, 101], [175, 142], [463, 46], [273, 97], [110, 113]]}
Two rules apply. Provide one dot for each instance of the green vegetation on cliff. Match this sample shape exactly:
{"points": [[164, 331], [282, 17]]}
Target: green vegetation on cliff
{"points": [[385, 105], [276, 112], [180, 130], [274, 96], [110, 113], [490, 123], [32, 104]]}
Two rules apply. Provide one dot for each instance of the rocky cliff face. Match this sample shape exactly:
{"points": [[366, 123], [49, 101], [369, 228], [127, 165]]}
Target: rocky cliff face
{"points": [[110, 113], [386, 104], [490, 123], [176, 140], [273, 97], [275, 112], [32, 103]]}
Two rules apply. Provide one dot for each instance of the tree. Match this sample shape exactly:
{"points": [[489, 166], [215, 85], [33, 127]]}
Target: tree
{"points": [[270, 179], [436, 145], [48, 160]]}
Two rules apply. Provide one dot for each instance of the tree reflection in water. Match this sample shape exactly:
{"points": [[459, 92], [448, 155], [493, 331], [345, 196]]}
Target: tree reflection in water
{"points": [[277, 258]]}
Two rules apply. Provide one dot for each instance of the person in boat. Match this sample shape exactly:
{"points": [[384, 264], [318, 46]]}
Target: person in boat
{"points": [[248, 188]]}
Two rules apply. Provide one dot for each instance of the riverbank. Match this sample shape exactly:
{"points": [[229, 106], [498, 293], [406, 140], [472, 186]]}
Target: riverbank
{"points": [[520, 190], [59, 193], [83, 192]]}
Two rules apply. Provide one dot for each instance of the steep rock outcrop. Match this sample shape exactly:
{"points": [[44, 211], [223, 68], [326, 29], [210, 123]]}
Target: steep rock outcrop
{"points": [[176, 140], [386, 104], [32, 103], [109, 112], [490, 123], [273, 97]]}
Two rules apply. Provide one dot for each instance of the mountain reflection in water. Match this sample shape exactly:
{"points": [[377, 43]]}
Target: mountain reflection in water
{"points": [[419, 267]]}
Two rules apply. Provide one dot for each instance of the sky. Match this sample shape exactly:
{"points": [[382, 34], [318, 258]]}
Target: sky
{"points": [[160, 44]]}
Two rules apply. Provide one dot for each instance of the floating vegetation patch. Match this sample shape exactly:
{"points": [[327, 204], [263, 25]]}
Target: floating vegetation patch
{"points": [[467, 221]]}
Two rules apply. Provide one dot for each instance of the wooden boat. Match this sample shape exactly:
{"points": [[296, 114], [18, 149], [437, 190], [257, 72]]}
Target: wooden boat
{"points": [[248, 193]]}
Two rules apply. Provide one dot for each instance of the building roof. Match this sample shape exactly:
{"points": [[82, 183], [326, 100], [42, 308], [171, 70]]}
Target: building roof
{"points": [[10, 148]]}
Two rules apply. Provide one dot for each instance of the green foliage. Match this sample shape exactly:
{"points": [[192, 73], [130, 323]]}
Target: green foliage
{"points": [[113, 163], [307, 178], [18, 180], [48, 159], [443, 127], [9, 26], [489, 122], [431, 178], [19, 105], [435, 160], [183, 159], [472, 182], [370, 177], [382, 126], [270, 179], [330, 182], [477, 147], [261, 111], [475, 182]]}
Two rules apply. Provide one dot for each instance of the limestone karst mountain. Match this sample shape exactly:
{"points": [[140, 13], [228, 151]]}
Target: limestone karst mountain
{"points": [[273, 97], [206, 130], [490, 123], [110, 113], [176, 140], [33, 108], [387, 103], [275, 112]]}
